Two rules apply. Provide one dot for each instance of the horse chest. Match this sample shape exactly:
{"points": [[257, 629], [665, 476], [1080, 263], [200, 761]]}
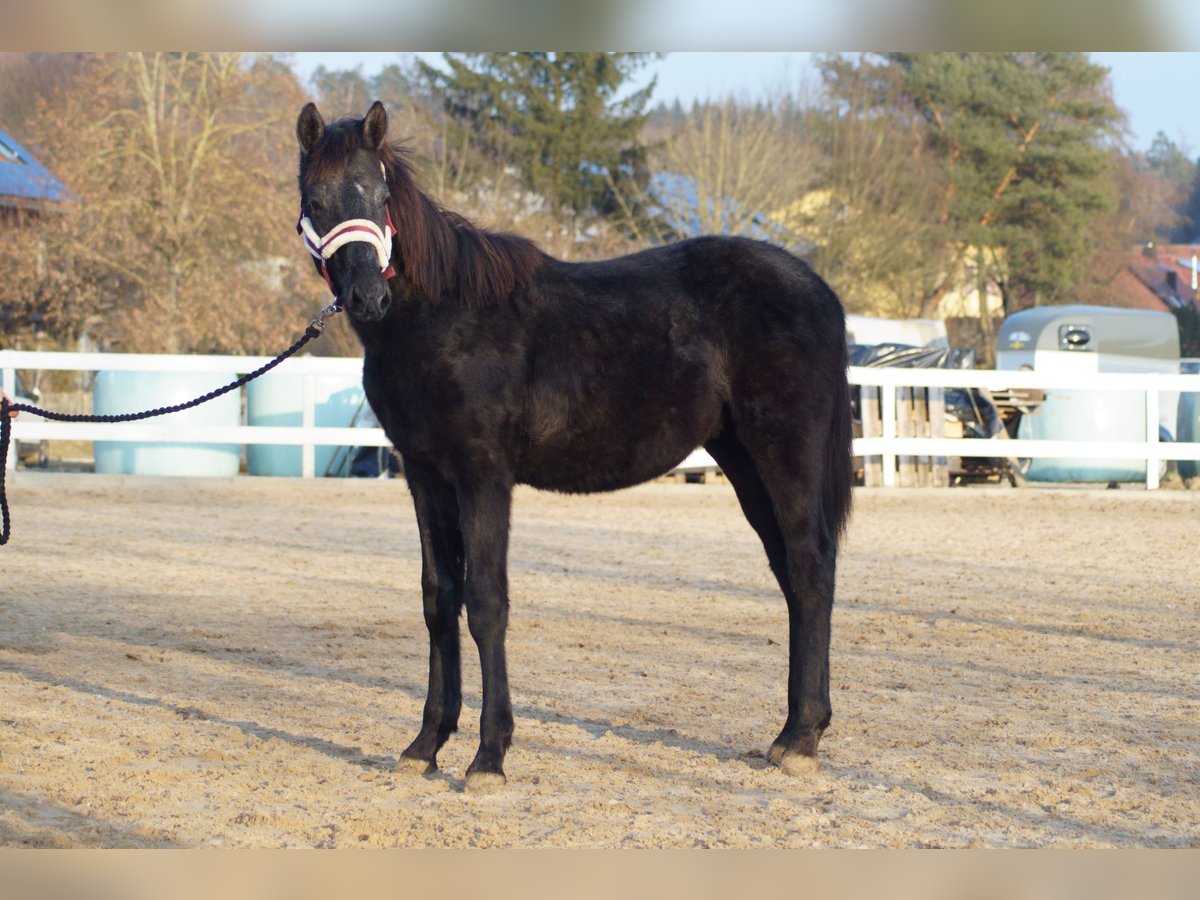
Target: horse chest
{"points": [[428, 412]]}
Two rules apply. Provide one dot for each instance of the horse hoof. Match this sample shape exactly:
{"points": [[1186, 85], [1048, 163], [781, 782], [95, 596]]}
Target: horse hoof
{"points": [[792, 761], [797, 765], [485, 782], [414, 766]]}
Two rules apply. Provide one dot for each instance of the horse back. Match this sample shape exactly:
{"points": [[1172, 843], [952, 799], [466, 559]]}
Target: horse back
{"points": [[637, 361]]}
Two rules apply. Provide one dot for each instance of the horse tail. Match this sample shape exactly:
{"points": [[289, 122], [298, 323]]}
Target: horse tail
{"points": [[839, 454]]}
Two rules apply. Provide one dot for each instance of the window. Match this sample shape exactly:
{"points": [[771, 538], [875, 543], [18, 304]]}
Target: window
{"points": [[1075, 337]]}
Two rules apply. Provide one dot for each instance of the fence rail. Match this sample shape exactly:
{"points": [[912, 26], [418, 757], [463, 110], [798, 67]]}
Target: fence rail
{"points": [[888, 446], [307, 434]]}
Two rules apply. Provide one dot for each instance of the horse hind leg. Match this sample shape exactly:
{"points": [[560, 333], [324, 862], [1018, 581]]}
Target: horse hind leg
{"points": [[780, 493]]}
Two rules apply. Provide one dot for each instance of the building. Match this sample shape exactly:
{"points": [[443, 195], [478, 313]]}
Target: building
{"points": [[28, 192], [1160, 277], [25, 184]]}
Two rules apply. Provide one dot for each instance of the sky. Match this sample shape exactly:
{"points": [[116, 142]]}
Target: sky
{"points": [[1152, 88]]}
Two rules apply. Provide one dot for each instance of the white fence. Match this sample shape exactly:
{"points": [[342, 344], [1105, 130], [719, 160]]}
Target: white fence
{"points": [[888, 445], [307, 435], [1149, 448]]}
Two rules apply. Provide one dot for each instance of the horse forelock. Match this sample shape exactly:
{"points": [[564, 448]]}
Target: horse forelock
{"points": [[332, 152]]}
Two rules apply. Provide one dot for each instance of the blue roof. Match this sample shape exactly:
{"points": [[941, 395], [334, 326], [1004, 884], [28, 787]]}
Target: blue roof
{"points": [[675, 199], [24, 181]]}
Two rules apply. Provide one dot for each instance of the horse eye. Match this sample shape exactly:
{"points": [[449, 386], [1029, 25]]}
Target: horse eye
{"points": [[314, 206]]}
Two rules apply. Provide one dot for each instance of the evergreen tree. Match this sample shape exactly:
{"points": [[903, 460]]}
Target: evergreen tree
{"points": [[1165, 158], [1023, 139], [341, 92], [1188, 317], [563, 119], [392, 86], [1189, 231], [1172, 165]]}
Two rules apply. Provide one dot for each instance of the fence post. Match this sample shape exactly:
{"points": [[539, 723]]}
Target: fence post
{"points": [[921, 430], [8, 380], [904, 429], [1152, 438], [887, 394], [308, 418], [869, 408], [939, 474]]}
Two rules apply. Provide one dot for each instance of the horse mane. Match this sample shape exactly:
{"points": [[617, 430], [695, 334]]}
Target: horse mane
{"points": [[443, 256]]}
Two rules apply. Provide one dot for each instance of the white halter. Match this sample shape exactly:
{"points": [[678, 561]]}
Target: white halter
{"points": [[323, 247]]}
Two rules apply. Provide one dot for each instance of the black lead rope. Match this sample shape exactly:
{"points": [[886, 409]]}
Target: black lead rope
{"points": [[7, 407]]}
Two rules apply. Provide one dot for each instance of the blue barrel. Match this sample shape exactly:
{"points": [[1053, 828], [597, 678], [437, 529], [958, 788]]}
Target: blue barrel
{"points": [[114, 393], [277, 398], [1081, 415]]}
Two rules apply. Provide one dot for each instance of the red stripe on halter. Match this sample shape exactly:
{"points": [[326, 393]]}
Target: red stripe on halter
{"points": [[347, 229], [318, 250]]}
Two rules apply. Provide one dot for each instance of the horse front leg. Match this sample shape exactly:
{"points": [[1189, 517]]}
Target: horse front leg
{"points": [[485, 522], [442, 595]]}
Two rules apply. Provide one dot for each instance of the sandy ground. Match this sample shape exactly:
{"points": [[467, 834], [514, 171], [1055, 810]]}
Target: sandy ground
{"points": [[188, 663]]}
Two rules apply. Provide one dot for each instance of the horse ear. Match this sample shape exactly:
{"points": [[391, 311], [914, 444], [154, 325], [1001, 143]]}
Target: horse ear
{"points": [[374, 126], [309, 127]]}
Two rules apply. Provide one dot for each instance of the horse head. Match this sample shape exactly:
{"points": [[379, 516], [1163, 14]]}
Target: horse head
{"points": [[345, 219]]}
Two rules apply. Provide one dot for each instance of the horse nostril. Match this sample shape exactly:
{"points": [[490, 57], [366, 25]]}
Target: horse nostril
{"points": [[366, 303]]}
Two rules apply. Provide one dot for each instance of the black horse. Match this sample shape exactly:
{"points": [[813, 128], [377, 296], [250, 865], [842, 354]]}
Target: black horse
{"points": [[490, 364]]}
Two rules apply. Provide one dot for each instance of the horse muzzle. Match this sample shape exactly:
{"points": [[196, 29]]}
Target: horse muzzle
{"points": [[366, 302], [360, 245]]}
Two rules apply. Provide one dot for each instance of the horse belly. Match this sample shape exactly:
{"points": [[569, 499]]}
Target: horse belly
{"points": [[631, 444]]}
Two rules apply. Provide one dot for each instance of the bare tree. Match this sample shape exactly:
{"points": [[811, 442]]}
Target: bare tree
{"points": [[733, 168], [875, 223], [181, 238], [196, 176]]}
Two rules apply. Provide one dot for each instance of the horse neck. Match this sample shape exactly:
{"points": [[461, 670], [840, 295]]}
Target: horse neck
{"points": [[427, 251], [444, 258], [408, 315]]}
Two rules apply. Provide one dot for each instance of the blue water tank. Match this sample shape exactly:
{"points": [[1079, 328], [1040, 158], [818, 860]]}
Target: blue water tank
{"points": [[276, 398], [1091, 416], [1083, 340], [114, 393], [1188, 426]]}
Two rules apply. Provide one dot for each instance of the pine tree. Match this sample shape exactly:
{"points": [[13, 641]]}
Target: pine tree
{"points": [[347, 92], [341, 92], [563, 119], [1022, 138], [1189, 231], [1168, 160]]}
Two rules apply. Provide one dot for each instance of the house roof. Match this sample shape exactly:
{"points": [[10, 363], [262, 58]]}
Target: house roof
{"points": [[1166, 273], [24, 182]]}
